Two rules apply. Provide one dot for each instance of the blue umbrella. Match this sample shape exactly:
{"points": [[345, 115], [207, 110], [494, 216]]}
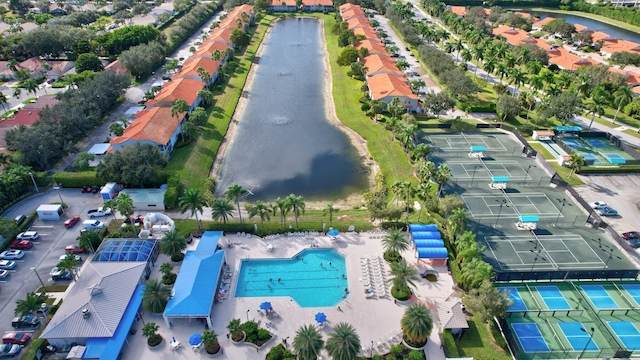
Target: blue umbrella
{"points": [[195, 339], [266, 306], [321, 317], [333, 232]]}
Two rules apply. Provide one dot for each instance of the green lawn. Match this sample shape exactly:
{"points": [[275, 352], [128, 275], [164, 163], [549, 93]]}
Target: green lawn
{"points": [[193, 162], [477, 342], [562, 171], [631, 132], [541, 150]]}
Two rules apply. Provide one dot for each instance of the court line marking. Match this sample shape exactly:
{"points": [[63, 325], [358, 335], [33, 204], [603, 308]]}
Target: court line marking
{"points": [[512, 197]]}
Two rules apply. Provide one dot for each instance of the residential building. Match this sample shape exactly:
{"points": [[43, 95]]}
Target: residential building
{"points": [[153, 126], [317, 5], [385, 87], [179, 89], [538, 25], [379, 64], [283, 5]]}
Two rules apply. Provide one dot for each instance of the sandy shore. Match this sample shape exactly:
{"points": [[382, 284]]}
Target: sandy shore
{"points": [[358, 141]]}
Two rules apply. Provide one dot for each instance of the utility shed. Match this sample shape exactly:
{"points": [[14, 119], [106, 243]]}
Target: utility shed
{"points": [[146, 199], [50, 212]]}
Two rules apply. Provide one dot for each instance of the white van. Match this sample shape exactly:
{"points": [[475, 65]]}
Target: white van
{"points": [[93, 225]]}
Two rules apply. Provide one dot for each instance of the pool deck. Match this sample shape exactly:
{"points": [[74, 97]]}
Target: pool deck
{"points": [[372, 318]]}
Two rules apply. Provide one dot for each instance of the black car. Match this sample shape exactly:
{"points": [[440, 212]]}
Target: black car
{"points": [[95, 189], [28, 321], [20, 219], [86, 189]]}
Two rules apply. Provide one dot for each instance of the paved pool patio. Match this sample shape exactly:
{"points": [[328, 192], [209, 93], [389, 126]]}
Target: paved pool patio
{"points": [[373, 318]]}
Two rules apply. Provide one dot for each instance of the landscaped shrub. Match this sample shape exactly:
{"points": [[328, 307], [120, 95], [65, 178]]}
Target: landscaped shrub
{"points": [[392, 256], [396, 350], [280, 353], [171, 197], [75, 179], [377, 357], [393, 225], [450, 346], [169, 279], [263, 335], [177, 257], [400, 293], [416, 355]]}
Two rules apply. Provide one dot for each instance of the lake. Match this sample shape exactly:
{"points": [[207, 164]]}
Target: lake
{"points": [[284, 142], [595, 25]]}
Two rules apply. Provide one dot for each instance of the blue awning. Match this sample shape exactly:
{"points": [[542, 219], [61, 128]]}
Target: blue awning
{"points": [[568, 128], [500, 179], [426, 235], [423, 227], [432, 253], [477, 148], [431, 243], [208, 242], [529, 218], [109, 348]]}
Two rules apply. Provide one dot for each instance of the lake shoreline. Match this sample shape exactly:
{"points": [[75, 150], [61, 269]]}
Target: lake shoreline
{"points": [[603, 19]]}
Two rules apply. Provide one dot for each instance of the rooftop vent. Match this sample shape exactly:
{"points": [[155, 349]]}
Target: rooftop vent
{"points": [[85, 313]]}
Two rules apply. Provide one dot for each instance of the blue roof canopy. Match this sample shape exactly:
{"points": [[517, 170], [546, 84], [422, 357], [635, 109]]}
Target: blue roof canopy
{"points": [[529, 218], [432, 253], [208, 242], [500, 179], [431, 243], [109, 348], [568, 128], [426, 235], [423, 227], [477, 148], [129, 250]]}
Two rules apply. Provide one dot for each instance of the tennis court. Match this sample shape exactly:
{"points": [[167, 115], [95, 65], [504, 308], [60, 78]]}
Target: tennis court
{"points": [[483, 206], [627, 332], [597, 151], [474, 170], [634, 292], [577, 336], [462, 142], [599, 297], [514, 295], [553, 298], [530, 337]]}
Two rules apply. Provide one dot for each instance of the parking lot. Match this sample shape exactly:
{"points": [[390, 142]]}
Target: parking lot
{"points": [[45, 253]]}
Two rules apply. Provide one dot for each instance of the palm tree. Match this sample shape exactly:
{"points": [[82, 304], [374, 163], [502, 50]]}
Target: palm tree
{"points": [[422, 193], [210, 341], [172, 244], [262, 209], [68, 263], [394, 242], [489, 66], [156, 296], [188, 129], [124, 204], [416, 323], [420, 152], [192, 201], [596, 107], [307, 343], [17, 92], [425, 170], [234, 193], [329, 209], [517, 78], [457, 220], [207, 97], [221, 209], [3, 100], [204, 75], [404, 275], [442, 176], [31, 86], [217, 55], [343, 343], [30, 304], [282, 206], [178, 108], [536, 82], [466, 55], [533, 67], [150, 331], [623, 96], [297, 204], [576, 162]]}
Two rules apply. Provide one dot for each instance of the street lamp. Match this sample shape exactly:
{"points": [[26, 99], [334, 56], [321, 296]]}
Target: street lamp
{"points": [[588, 341], [502, 203], [34, 182], [248, 315], [527, 173], [564, 202], [474, 173], [58, 188], [44, 288], [535, 259]]}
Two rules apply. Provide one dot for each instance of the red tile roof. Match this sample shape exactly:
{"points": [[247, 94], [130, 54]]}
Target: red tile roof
{"points": [[286, 2], [543, 22], [621, 45], [357, 22], [459, 10], [183, 88], [154, 124], [384, 85], [374, 47], [566, 60], [631, 77], [379, 63], [599, 35], [347, 6], [220, 33], [207, 48], [190, 67], [582, 28], [368, 33]]}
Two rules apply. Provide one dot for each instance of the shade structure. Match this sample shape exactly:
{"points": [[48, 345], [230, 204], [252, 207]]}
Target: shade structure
{"points": [[423, 227], [333, 232], [429, 243], [500, 179], [432, 253], [426, 235], [195, 339], [529, 218], [321, 317], [266, 306]]}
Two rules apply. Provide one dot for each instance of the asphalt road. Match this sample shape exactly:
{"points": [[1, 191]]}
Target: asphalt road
{"points": [[43, 256]]}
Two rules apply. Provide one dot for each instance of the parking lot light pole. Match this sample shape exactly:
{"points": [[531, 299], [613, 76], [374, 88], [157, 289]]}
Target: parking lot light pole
{"points": [[502, 203], [564, 202], [473, 176], [588, 341], [535, 259], [34, 182], [44, 288], [58, 188], [527, 173]]}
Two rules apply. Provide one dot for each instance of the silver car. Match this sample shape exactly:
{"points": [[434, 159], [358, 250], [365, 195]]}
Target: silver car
{"points": [[9, 350], [7, 264], [12, 255]]}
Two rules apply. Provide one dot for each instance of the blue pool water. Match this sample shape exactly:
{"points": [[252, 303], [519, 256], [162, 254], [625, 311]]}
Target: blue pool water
{"points": [[307, 278]]}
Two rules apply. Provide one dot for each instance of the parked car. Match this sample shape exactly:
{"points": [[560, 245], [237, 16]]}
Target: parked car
{"points": [[75, 257], [631, 235], [634, 243], [74, 249], [7, 264], [21, 244], [27, 321], [11, 255], [86, 189], [20, 338], [28, 235], [71, 221], [95, 189], [20, 219], [607, 211], [4, 274], [598, 205], [99, 212], [58, 274], [9, 350], [93, 225]]}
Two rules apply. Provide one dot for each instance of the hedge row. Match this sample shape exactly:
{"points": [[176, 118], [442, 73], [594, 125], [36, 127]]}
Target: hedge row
{"points": [[518, 3], [82, 178], [450, 346], [606, 170], [620, 13]]}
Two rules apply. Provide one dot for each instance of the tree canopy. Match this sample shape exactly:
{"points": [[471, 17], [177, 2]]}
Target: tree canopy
{"points": [[134, 165]]}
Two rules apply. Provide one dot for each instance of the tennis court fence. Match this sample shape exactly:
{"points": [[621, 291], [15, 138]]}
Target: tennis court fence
{"points": [[544, 313]]}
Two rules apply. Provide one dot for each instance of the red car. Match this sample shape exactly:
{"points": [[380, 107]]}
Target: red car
{"points": [[21, 244], [13, 337], [74, 249], [71, 221], [631, 235]]}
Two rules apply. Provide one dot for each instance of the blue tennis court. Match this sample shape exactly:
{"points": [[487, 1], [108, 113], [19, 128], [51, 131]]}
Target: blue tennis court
{"points": [[627, 333], [599, 297], [553, 298], [634, 291], [614, 158], [577, 336], [596, 143], [530, 337], [514, 295], [589, 158]]}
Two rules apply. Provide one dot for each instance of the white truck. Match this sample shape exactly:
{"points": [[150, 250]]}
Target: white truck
{"points": [[99, 212]]}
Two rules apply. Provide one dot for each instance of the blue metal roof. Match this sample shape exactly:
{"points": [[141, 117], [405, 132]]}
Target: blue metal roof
{"points": [[529, 218], [194, 290], [432, 253], [426, 235], [476, 148], [568, 128], [500, 179], [128, 250], [109, 348], [208, 242], [431, 243], [423, 227]]}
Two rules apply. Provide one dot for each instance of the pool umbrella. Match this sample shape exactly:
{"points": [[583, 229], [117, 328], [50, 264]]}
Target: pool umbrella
{"points": [[333, 232], [321, 317], [266, 306], [195, 339]]}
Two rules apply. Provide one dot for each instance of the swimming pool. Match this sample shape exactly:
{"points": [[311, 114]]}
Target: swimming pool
{"points": [[313, 278]]}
